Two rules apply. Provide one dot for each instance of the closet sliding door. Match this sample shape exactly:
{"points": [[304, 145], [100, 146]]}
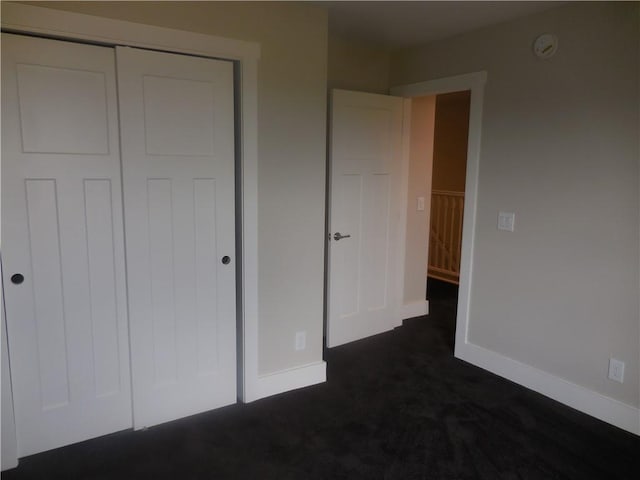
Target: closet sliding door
{"points": [[177, 134], [65, 164], [62, 242]]}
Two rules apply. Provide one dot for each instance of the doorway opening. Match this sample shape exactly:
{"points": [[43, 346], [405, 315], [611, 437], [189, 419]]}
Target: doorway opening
{"points": [[469, 87], [409, 258], [449, 164], [450, 135], [437, 170]]}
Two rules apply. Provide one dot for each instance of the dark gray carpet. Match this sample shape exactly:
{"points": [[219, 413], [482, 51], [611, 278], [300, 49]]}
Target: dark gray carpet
{"points": [[396, 406]]}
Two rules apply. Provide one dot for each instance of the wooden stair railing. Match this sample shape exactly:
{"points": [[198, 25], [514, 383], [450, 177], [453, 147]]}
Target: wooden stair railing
{"points": [[445, 235]]}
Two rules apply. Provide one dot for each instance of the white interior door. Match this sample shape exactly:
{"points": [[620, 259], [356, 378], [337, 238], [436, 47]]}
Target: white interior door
{"points": [[365, 209], [62, 241], [177, 134]]}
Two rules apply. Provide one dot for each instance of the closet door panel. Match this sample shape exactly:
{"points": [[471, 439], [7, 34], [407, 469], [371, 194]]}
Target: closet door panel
{"points": [[62, 236], [177, 120]]}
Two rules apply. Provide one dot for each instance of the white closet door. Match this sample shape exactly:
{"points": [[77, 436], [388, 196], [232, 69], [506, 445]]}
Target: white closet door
{"points": [[62, 236], [177, 122]]}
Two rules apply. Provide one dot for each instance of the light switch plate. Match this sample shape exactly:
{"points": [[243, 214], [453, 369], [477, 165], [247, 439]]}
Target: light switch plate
{"points": [[506, 221], [420, 204]]}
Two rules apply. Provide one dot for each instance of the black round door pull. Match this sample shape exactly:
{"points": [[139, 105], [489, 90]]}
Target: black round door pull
{"points": [[226, 260], [17, 278]]}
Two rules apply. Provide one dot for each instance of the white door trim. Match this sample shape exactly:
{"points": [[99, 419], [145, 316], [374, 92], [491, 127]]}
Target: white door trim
{"points": [[19, 18], [61, 24], [474, 82]]}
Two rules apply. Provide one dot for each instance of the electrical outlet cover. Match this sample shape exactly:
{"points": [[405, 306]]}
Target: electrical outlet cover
{"points": [[301, 340], [616, 370]]}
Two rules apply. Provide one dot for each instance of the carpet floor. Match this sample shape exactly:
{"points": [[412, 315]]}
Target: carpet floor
{"points": [[395, 406]]}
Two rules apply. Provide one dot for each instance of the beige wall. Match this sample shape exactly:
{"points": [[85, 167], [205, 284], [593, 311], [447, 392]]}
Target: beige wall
{"points": [[560, 149], [450, 141], [291, 172], [355, 66], [423, 111]]}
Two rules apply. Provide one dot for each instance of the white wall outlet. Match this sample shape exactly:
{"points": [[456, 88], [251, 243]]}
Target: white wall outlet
{"points": [[616, 370], [301, 340], [421, 204], [506, 221]]}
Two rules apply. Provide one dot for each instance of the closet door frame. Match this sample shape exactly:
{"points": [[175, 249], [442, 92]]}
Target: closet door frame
{"points": [[30, 20]]}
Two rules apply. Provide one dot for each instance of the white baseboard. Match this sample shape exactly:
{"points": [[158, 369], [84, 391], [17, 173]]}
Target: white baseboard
{"points": [[291, 379], [414, 309], [592, 403]]}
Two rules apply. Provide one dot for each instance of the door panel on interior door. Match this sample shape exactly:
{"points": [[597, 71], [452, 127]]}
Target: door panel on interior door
{"points": [[365, 203], [102, 279], [348, 192], [46, 274], [177, 114], [53, 121], [177, 119], [62, 230], [204, 199], [376, 252]]}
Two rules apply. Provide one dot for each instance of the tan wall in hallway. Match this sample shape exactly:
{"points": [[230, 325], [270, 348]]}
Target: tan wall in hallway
{"points": [[450, 141], [420, 165]]}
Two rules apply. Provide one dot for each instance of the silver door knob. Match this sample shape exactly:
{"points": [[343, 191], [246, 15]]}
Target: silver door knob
{"points": [[339, 236]]}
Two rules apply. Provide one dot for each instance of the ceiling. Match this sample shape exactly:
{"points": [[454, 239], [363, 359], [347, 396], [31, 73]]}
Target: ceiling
{"points": [[398, 24]]}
